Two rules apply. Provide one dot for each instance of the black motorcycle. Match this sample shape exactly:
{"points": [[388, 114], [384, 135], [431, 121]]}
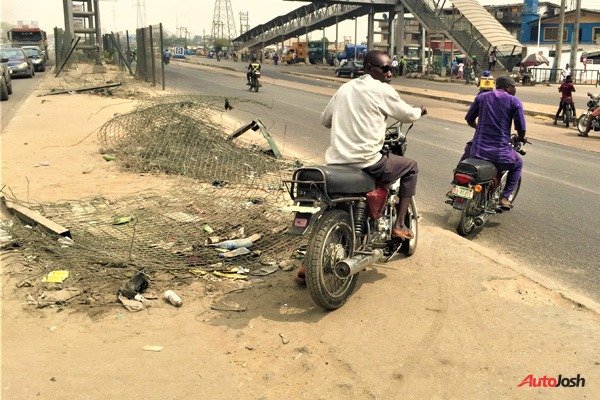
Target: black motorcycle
{"points": [[568, 111], [348, 218], [254, 81], [583, 121], [477, 189]]}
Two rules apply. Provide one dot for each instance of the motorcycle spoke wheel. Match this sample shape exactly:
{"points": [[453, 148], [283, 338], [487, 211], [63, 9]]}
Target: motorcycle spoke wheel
{"points": [[412, 221], [582, 124], [467, 220], [332, 240]]}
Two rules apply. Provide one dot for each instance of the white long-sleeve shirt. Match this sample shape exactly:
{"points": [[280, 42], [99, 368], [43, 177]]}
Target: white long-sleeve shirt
{"points": [[357, 116]]}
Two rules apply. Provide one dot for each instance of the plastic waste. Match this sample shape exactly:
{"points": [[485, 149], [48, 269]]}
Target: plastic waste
{"points": [[137, 284], [237, 243], [173, 298]]}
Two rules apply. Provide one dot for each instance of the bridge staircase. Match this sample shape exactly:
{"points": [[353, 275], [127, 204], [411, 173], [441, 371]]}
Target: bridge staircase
{"points": [[471, 27]]}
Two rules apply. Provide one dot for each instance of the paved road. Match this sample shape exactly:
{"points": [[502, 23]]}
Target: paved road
{"points": [[554, 228], [540, 94], [22, 88]]}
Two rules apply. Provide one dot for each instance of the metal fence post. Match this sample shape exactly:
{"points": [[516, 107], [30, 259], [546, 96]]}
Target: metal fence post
{"points": [[152, 61], [162, 64]]}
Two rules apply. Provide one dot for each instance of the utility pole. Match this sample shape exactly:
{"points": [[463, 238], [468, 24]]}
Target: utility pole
{"points": [[561, 28], [575, 39]]}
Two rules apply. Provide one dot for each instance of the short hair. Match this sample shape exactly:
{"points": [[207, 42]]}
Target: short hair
{"points": [[373, 56], [504, 81]]}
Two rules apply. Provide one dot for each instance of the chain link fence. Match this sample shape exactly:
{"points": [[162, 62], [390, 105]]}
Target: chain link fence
{"points": [[149, 65], [221, 189]]}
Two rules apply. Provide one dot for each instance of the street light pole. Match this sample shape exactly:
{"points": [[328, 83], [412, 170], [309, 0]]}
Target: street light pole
{"points": [[539, 27]]}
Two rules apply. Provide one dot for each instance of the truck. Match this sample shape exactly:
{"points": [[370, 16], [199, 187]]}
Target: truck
{"points": [[318, 50], [25, 35], [297, 52], [350, 50]]}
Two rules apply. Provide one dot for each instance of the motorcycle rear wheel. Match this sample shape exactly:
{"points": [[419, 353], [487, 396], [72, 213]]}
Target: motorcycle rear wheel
{"points": [[582, 124], [567, 115], [412, 221], [332, 239], [467, 219]]}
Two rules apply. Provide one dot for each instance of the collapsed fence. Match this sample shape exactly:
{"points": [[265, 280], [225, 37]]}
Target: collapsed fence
{"points": [[223, 189]]}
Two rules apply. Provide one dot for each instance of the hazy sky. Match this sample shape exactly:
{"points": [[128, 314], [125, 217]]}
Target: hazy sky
{"points": [[195, 15]]}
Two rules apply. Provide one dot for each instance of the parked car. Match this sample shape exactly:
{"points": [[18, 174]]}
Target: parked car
{"points": [[37, 58], [351, 69], [5, 82], [18, 64]]}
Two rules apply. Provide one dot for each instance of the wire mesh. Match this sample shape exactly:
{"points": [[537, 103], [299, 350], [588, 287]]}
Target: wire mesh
{"points": [[224, 189]]}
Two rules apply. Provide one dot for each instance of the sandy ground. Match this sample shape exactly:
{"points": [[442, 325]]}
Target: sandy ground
{"points": [[452, 322]]}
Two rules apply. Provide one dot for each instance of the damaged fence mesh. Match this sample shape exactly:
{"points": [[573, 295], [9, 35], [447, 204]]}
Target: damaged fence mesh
{"points": [[225, 189]]}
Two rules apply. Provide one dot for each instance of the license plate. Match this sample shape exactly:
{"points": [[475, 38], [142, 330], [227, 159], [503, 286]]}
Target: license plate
{"points": [[461, 191]]}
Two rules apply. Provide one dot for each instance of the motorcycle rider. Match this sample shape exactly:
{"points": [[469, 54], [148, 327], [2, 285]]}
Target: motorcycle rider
{"points": [[252, 68], [492, 114], [594, 114], [566, 90], [486, 82], [166, 56], [357, 115]]}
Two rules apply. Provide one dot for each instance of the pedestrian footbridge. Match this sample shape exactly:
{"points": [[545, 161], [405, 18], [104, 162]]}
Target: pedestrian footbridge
{"points": [[470, 26]]}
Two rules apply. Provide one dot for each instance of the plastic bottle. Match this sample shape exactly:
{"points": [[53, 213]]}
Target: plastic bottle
{"points": [[173, 298], [237, 243]]}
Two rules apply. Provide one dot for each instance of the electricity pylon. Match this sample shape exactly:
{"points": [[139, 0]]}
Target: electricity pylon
{"points": [[223, 22]]}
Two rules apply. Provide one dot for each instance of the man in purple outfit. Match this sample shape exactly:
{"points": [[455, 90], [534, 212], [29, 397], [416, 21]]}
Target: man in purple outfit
{"points": [[492, 114]]}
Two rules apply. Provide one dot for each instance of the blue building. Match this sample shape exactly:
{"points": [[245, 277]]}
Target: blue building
{"points": [[589, 28]]}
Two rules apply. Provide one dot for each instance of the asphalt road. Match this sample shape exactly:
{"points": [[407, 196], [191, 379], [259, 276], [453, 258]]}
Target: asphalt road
{"points": [[22, 88], [538, 94], [554, 227]]}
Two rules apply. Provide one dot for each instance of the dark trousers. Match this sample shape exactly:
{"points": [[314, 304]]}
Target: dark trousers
{"points": [[391, 167], [561, 108]]}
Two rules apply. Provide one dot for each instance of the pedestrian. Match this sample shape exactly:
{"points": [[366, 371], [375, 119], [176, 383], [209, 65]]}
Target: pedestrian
{"points": [[566, 72], [460, 70], [475, 64], [468, 71], [395, 67], [401, 65], [492, 60], [453, 68]]}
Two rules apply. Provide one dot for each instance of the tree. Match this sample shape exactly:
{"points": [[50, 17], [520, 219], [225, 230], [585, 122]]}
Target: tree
{"points": [[218, 44]]}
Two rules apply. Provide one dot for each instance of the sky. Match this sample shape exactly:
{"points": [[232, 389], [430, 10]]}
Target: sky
{"points": [[195, 15]]}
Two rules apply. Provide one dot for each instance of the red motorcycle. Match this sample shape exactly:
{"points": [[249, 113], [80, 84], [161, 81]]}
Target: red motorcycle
{"points": [[583, 121]]}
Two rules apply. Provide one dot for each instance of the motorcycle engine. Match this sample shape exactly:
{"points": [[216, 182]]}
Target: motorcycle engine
{"points": [[381, 231]]}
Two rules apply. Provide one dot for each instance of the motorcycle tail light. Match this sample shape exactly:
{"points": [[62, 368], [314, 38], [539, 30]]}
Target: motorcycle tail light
{"points": [[478, 188], [462, 179]]}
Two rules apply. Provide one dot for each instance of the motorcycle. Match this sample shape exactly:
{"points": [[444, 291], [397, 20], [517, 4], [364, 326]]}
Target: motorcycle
{"points": [[582, 122], [348, 219], [568, 111], [254, 81], [477, 189]]}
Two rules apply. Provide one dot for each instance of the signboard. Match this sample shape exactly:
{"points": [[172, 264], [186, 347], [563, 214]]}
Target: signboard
{"points": [[179, 52]]}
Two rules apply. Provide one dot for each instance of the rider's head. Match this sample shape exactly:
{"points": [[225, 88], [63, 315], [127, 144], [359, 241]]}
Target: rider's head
{"points": [[486, 73], [569, 78], [507, 84], [379, 66]]}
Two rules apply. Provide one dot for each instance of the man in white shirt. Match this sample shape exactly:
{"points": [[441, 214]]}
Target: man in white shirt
{"points": [[395, 67], [566, 72], [357, 116]]}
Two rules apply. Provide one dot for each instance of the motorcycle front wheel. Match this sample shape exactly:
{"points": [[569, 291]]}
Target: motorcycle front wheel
{"points": [[582, 123], [412, 221], [332, 239]]}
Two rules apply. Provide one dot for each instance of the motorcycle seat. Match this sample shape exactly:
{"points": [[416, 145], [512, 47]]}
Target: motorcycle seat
{"points": [[339, 179], [480, 170]]}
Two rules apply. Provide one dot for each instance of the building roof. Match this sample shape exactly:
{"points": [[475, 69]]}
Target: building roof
{"points": [[489, 26]]}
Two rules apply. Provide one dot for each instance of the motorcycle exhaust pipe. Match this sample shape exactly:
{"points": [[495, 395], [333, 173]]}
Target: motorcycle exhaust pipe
{"points": [[480, 220], [350, 266]]}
